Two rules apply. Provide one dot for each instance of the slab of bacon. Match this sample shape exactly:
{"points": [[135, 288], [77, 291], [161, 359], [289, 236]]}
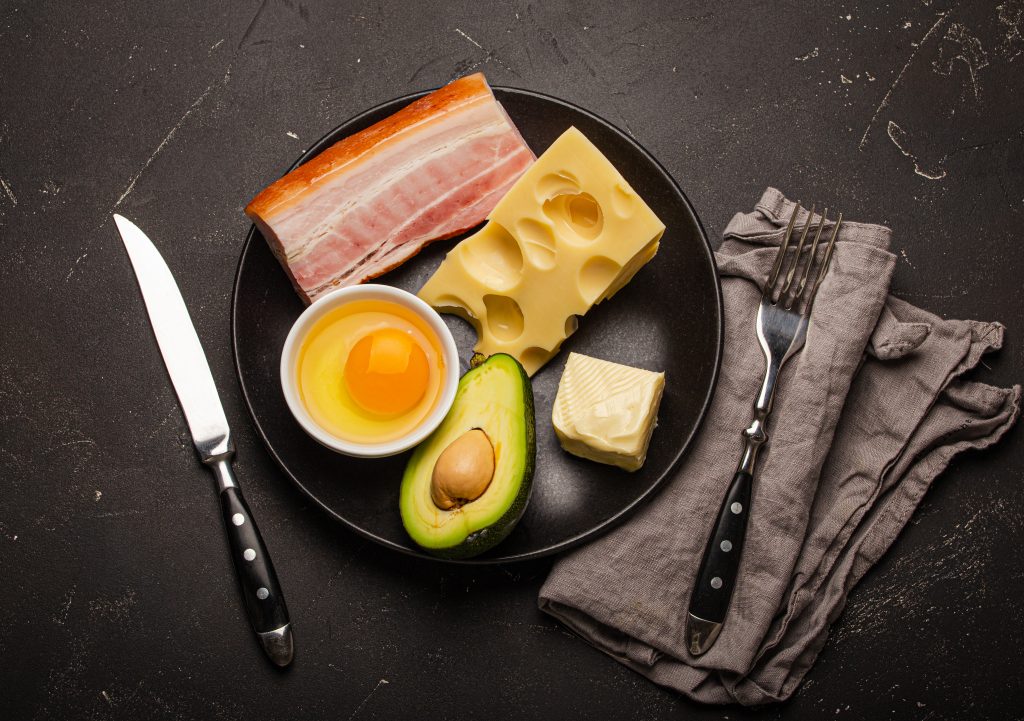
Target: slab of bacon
{"points": [[373, 200]]}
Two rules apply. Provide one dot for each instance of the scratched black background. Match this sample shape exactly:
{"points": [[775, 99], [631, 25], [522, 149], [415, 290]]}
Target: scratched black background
{"points": [[116, 594]]}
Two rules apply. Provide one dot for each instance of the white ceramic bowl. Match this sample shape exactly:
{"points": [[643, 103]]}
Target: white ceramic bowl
{"points": [[330, 301]]}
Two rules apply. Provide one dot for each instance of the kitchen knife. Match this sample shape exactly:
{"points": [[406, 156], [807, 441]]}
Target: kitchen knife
{"points": [[193, 382]]}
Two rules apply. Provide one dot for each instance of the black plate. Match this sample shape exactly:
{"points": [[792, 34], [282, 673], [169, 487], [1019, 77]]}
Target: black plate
{"points": [[668, 318]]}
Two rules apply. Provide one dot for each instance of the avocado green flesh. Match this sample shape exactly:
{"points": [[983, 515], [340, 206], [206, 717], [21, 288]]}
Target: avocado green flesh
{"points": [[496, 397]]}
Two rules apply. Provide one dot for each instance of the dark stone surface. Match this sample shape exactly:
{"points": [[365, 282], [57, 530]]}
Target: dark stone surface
{"points": [[117, 597]]}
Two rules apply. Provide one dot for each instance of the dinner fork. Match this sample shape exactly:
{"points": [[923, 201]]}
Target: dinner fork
{"points": [[782, 319]]}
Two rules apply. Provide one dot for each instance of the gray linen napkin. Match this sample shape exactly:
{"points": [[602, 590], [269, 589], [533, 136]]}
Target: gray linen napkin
{"points": [[865, 418]]}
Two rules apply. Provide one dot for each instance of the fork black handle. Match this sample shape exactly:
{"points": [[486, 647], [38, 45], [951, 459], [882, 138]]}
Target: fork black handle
{"points": [[719, 569]]}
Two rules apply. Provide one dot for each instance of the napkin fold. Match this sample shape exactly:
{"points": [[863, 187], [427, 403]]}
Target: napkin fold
{"points": [[865, 418]]}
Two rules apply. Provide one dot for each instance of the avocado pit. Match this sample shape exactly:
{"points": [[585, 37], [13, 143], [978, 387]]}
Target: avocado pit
{"points": [[463, 471]]}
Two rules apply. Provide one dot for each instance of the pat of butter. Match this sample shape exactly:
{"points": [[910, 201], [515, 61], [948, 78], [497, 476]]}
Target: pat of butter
{"points": [[568, 234], [606, 411]]}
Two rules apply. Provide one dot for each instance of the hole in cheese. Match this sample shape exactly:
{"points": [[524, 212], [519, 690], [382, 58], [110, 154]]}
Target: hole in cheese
{"points": [[579, 213], [539, 241], [534, 358], [495, 259], [554, 184], [623, 201], [596, 276], [450, 302], [504, 317]]}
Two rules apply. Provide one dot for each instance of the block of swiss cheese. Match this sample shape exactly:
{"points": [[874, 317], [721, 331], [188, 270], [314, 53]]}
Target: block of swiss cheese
{"points": [[569, 234]]}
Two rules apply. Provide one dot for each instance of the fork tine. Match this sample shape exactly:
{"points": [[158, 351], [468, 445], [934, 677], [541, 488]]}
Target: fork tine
{"points": [[811, 256], [781, 255], [824, 264], [796, 261]]}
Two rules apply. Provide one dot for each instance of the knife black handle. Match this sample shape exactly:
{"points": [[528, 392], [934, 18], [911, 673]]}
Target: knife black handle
{"points": [[719, 569], [261, 592]]}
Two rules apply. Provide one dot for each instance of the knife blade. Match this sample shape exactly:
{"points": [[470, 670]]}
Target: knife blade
{"points": [[197, 393]]}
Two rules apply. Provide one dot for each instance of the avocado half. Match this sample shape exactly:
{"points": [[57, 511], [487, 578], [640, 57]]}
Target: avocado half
{"points": [[494, 396]]}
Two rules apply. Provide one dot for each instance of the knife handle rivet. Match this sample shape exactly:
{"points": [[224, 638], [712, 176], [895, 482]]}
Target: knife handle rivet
{"points": [[249, 554], [716, 583], [262, 593], [238, 519], [736, 508]]}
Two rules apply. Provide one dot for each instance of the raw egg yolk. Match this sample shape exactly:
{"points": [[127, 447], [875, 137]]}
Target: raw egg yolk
{"points": [[387, 372]]}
